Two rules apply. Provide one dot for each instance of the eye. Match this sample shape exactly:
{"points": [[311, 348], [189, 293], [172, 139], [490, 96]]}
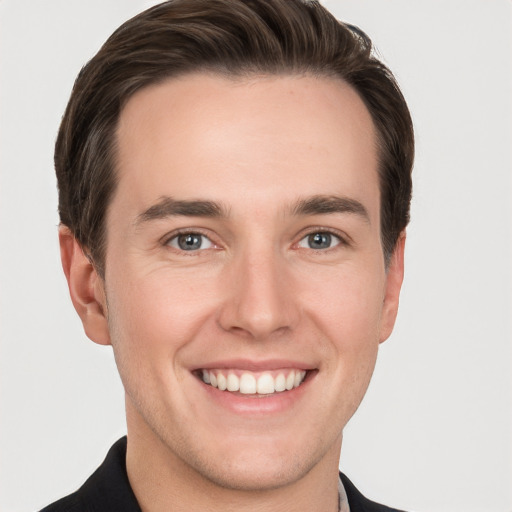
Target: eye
{"points": [[319, 240], [190, 242]]}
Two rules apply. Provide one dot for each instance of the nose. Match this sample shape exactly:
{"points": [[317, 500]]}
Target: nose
{"points": [[260, 297]]}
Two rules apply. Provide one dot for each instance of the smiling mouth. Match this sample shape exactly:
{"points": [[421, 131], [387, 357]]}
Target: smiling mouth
{"points": [[253, 383]]}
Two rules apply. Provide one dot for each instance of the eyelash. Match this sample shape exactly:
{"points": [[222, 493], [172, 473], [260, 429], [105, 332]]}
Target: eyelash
{"points": [[166, 241], [341, 239]]}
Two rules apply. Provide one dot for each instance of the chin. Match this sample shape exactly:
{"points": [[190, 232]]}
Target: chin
{"points": [[252, 464], [256, 472]]}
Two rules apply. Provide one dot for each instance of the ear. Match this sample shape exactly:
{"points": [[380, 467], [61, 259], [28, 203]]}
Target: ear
{"points": [[86, 288], [394, 278]]}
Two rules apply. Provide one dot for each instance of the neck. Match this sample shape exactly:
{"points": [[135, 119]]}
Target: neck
{"points": [[162, 481]]}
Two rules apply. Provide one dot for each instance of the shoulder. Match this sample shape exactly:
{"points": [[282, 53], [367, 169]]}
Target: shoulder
{"points": [[71, 503], [358, 503], [106, 489]]}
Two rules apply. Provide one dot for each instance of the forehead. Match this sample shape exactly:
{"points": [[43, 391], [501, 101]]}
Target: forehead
{"points": [[252, 142]]}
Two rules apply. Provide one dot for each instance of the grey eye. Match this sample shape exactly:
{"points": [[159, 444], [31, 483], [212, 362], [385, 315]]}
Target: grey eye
{"points": [[190, 242], [319, 240]]}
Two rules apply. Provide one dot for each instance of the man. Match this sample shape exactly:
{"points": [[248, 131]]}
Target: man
{"points": [[234, 187]]}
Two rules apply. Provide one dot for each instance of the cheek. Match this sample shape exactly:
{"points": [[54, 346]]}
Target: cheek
{"points": [[346, 313], [348, 306], [153, 318]]}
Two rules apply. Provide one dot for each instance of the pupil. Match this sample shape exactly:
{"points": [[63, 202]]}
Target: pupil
{"points": [[189, 242], [320, 241]]}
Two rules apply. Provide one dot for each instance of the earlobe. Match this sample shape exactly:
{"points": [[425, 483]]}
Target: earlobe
{"points": [[394, 279], [85, 287]]}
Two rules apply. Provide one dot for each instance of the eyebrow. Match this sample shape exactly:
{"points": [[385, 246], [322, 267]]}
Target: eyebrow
{"points": [[314, 205], [169, 207], [322, 204]]}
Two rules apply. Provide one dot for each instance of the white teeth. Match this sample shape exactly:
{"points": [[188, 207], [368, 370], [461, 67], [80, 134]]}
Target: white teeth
{"points": [[280, 383], [265, 385], [233, 382], [249, 384], [221, 382], [290, 380]]}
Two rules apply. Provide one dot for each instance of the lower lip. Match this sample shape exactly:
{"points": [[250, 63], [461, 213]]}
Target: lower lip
{"points": [[278, 402]]}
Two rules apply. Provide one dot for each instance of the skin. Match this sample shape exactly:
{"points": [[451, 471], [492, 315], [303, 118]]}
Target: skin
{"points": [[256, 291]]}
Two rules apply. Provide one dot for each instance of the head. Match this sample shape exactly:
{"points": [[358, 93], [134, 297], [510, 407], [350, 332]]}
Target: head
{"points": [[234, 184], [236, 39]]}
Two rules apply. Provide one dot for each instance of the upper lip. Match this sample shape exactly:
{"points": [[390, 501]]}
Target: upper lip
{"points": [[253, 365]]}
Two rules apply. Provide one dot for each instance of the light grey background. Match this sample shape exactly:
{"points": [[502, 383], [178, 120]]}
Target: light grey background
{"points": [[434, 433]]}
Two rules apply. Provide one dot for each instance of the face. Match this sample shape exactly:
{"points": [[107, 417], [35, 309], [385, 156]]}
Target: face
{"points": [[245, 285]]}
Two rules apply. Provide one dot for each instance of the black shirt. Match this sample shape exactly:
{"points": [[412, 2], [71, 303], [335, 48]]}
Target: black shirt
{"points": [[108, 490]]}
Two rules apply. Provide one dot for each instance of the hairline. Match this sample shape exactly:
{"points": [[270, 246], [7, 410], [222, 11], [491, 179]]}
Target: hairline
{"points": [[240, 76]]}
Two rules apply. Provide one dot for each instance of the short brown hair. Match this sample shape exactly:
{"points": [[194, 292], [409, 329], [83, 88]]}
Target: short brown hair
{"points": [[233, 37]]}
